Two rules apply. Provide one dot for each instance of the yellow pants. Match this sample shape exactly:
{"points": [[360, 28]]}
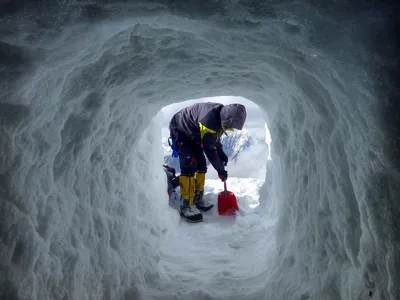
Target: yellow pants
{"points": [[200, 180], [190, 184], [187, 185]]}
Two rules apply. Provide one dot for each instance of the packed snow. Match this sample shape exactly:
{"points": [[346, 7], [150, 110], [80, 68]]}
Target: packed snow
{"points": [[221, 257], [84, 208]]}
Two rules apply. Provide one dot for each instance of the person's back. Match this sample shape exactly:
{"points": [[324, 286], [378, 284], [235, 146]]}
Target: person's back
{"points": [[187, 121]]}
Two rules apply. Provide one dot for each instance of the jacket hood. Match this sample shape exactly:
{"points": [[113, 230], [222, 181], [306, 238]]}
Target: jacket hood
{"points": [[233, 115]]}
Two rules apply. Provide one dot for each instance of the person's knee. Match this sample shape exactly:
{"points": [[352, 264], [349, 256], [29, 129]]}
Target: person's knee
{"points": [[202, 169], [188, 172], [188, 164], [200, 180]]}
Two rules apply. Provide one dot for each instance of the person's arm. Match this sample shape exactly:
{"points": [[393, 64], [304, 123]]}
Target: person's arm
{"points": [[218, 146], [210, 149], [220, 152]]}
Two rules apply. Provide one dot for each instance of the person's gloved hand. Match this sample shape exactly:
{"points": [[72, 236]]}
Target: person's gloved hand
{"points": [[223, 176], [222, 156]]}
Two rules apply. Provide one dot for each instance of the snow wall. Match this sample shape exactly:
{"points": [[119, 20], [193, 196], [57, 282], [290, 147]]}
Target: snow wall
{"points": [[82, 197]]}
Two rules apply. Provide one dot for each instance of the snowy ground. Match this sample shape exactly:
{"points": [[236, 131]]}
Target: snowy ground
{"points": [[246, 191], [222, 257]]}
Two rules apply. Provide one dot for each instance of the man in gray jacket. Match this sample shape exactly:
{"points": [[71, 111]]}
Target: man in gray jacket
{"points": [[196, 130]]}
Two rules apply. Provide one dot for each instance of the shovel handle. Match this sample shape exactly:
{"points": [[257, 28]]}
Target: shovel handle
{"points": [[225, 190]]}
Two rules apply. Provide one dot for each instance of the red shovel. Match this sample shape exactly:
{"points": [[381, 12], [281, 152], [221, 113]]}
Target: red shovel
{"points": [[227, 203]]}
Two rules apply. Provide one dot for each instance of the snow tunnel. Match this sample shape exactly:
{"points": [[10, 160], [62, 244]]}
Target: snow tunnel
{"points": [[83, 206]]}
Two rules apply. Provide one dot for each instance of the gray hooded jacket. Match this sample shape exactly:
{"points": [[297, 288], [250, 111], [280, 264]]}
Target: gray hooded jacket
{"points": [[202, 124]]}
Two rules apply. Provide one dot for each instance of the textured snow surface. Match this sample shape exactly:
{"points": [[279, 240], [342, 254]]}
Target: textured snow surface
{"points": [[84, 209], [222, 257]]}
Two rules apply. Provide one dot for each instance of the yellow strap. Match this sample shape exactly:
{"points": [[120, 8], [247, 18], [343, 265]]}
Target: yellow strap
{"points": [[204, 130]]}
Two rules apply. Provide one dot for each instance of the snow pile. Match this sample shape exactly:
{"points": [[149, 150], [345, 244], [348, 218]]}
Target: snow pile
{"points": [[84, 209], [235, 142], [245, 189]]}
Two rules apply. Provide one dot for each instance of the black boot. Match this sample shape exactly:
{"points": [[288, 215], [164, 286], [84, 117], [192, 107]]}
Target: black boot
{"points": [[199, 202], [188, 210], [191, 214]]}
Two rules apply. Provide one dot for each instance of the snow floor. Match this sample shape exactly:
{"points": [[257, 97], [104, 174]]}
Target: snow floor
{"points": [[208, 257]]}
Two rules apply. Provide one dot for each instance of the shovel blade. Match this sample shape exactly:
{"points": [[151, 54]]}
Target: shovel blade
{"points": [[227, 204]]}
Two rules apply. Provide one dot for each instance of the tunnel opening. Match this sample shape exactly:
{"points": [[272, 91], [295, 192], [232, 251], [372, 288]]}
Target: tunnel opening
{"points": [[221, 246], [248, 149]]}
